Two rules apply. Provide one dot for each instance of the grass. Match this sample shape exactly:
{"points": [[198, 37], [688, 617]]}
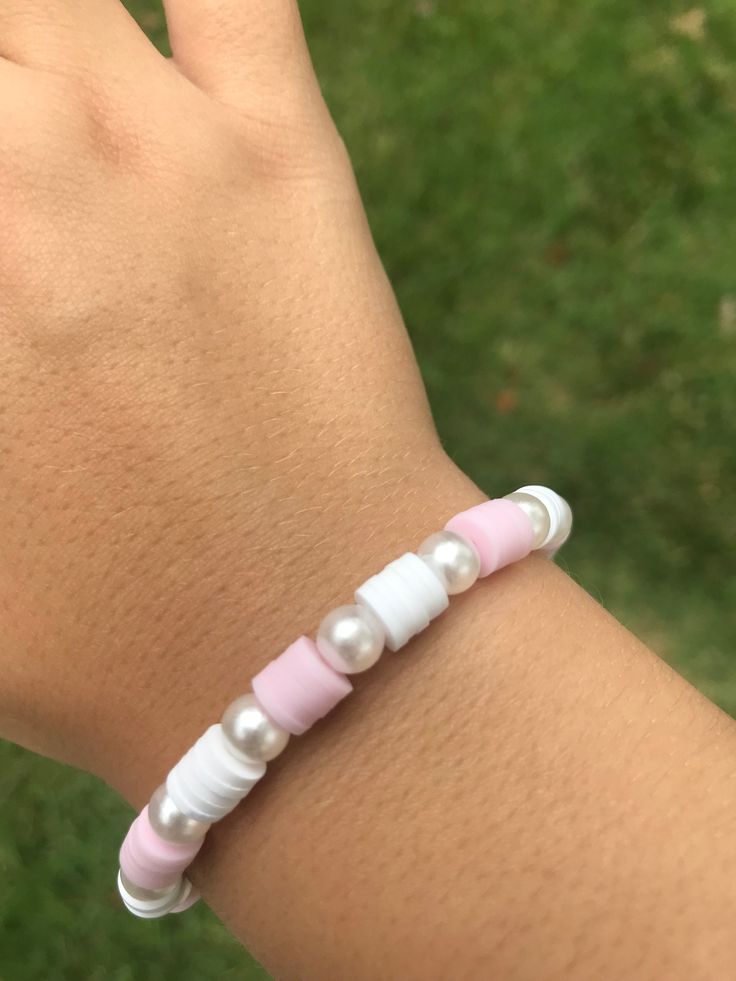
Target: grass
{"points": [[552, 187]]}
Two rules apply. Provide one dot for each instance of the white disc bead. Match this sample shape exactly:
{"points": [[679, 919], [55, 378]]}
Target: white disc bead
{"points": [[251, 733], [210, 780], [404, 597], [170, 823], [558, 513], [351, 639], [149, 904], [452, 559]]}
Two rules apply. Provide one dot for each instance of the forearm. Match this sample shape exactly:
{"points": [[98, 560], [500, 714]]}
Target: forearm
{"points": [[525, 792]]}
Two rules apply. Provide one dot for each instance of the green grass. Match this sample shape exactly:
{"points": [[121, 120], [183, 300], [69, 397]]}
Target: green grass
{"points": [[552, 186]]}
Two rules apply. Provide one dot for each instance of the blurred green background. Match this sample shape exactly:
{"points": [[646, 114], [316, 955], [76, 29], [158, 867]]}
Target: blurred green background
{"points": [[552, 185]]}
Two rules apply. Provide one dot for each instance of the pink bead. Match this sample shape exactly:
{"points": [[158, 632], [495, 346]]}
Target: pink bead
{"points": [[150, 862], [499, 530], [298, 687]]}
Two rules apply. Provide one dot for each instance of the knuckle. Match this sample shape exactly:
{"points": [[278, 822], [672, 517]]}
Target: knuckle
{"points": [[291, 141], [109, 132], [64, 123]]}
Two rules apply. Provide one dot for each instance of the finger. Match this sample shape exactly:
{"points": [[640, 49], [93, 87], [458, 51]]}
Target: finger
{"points": [[235, 48], [61, 35]]}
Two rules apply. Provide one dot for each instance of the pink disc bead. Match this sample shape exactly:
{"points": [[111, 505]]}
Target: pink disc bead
{"points": [[150, 862], [499, 530], [297, 688]]}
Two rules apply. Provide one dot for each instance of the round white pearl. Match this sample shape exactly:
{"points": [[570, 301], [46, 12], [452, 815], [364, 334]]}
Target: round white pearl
{"points": [[147, 895], [251, 732], [170, 823], [536, 512], [453, 560], [351, 639]]}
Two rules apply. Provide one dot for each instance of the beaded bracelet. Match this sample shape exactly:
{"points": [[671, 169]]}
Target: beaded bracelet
{"points": [[308, 679]]}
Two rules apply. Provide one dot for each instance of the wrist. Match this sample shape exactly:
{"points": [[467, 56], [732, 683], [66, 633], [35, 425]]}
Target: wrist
{"points": [[253, 613], [456, 791], [300, 686]]}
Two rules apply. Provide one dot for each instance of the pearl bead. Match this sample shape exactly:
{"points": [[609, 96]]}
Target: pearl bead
{"points": [[170, 823], [251, 732], [452, 559], [350, 639], [147, 895], [537, 514]]}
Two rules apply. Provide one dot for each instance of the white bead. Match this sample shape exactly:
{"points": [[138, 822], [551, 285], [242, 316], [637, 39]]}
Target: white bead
{"points": [[170, 823], [350, 639], [149, 904], [228, 773], [251, 733], [452, 559], [201, 804], [537, 514], [560, 516], [210, 780], [404, 597], [186, 889]]}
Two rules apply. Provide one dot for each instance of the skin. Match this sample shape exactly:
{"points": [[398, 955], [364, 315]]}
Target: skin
{"points": [[212, 429]]}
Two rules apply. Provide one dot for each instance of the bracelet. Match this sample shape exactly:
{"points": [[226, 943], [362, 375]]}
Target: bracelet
{"points": [[309, 678]]}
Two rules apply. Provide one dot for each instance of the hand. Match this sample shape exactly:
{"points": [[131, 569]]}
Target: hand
{"points": [[211, 421]]}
